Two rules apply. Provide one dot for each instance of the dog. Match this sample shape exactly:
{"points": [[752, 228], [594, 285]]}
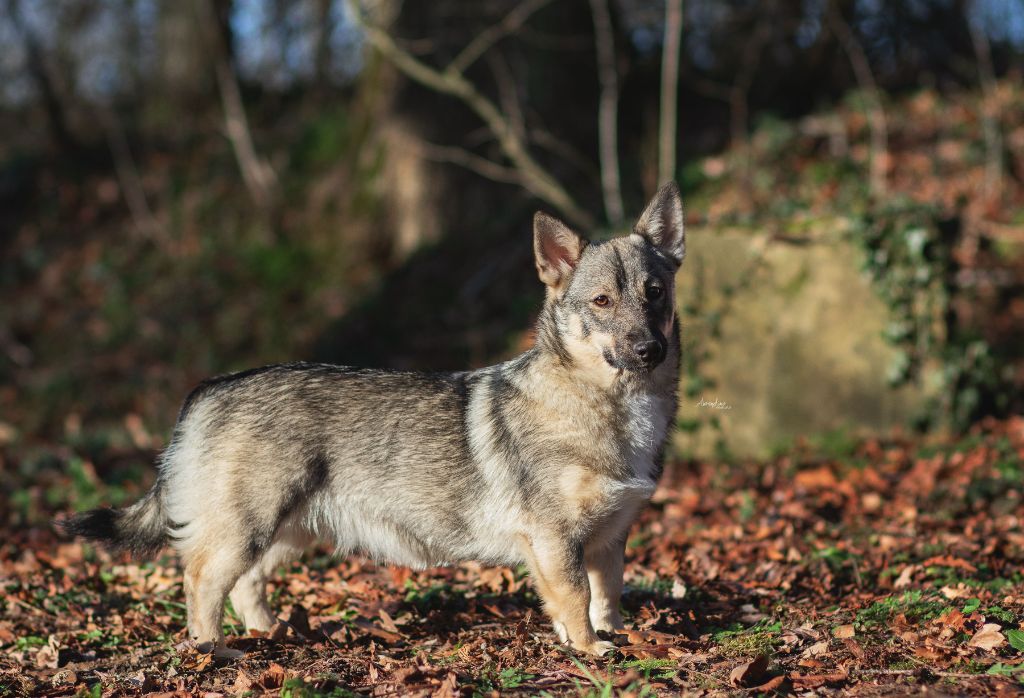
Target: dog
{"points": [[545, 459]]}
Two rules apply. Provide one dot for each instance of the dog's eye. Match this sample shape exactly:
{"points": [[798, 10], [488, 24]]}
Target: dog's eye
{"points": [[654, 292], [602, 301]]}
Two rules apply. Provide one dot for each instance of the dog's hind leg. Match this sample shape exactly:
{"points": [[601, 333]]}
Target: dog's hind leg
{"points": [[249, 596], [211, 569]]}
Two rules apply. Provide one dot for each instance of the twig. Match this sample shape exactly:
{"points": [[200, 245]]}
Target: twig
{"points": [[924, 667], [669, 90], [607, 115], [507, 92], [492, 35], [556, 146], [535, 178], [471, 161]]}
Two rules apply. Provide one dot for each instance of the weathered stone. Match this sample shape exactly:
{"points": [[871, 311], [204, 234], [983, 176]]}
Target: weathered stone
{"points": [[798, 347]]}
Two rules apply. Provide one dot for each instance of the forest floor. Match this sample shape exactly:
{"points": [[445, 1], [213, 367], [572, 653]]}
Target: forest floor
{"points": [[873, 568]]}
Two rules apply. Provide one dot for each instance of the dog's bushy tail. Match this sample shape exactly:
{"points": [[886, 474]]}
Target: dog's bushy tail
{"points": [[140, 529]]}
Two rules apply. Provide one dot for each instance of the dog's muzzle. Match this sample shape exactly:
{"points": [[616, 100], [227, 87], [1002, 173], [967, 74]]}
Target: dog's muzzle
{"points": [[650, 352]]}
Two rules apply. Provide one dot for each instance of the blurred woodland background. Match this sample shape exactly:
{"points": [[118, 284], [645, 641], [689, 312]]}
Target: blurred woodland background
{"points": [[189, 188]]}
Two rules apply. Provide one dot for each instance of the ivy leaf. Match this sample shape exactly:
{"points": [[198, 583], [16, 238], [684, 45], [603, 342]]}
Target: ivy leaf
{"points": [[1016, 639]]}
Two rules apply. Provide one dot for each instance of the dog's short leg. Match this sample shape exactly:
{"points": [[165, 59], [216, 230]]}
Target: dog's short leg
{"points": [[561, 579], [604, 570], [249, 597], [210, 572]]}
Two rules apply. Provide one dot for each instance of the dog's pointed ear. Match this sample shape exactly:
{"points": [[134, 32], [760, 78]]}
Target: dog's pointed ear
{"points": [[661, 223], [557, 249]]}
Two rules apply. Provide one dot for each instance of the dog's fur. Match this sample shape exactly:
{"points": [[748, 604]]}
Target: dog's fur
{"points": [[544, 460]]}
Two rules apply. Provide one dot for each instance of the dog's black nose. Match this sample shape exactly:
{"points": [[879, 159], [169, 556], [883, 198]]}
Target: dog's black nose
{"points": [[650, 351]]}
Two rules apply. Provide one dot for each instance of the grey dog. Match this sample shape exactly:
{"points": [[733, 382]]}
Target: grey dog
{"points": [[545, 459]]}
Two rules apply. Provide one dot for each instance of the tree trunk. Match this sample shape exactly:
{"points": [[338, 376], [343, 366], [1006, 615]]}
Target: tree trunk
{"points": [[669, 90]]}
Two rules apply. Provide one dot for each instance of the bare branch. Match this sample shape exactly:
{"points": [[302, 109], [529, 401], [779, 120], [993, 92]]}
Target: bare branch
{"points": [[259, 177], [493, 34], [471, 161], [564, 150], [535, 178], [866, 82], [607, 114], [669, 90], [128, 174], [507, 92]]}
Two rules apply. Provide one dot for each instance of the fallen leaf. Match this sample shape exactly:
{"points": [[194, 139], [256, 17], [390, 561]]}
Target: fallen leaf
{"points": [[816, 650], [387, 622], [949, 561], [449, 688], [770, 685], [816, 680], [405, 674], [854, 647], [988, 638], [48, 655], [906, 576], [843, 631], [273, 676], [747, 674], [954, 593], [383, 634], [817, 479], [243, 682]]}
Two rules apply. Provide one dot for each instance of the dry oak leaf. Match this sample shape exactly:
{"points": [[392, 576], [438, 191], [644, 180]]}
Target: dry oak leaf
{"points": [[273, 677], [748, 673], [387, 622], [988, 638], [816, 650], [645, 651], [652, 637]]}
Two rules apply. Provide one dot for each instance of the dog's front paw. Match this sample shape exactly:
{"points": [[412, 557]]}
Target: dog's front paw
{"points": [[560, 631]]}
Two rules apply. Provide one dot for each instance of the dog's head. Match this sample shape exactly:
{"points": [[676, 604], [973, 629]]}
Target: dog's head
{"points": [[612, 303]]}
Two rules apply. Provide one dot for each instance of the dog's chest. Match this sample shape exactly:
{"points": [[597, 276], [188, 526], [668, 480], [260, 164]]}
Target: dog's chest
{"points": [[613, 492], [644, 425]]}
